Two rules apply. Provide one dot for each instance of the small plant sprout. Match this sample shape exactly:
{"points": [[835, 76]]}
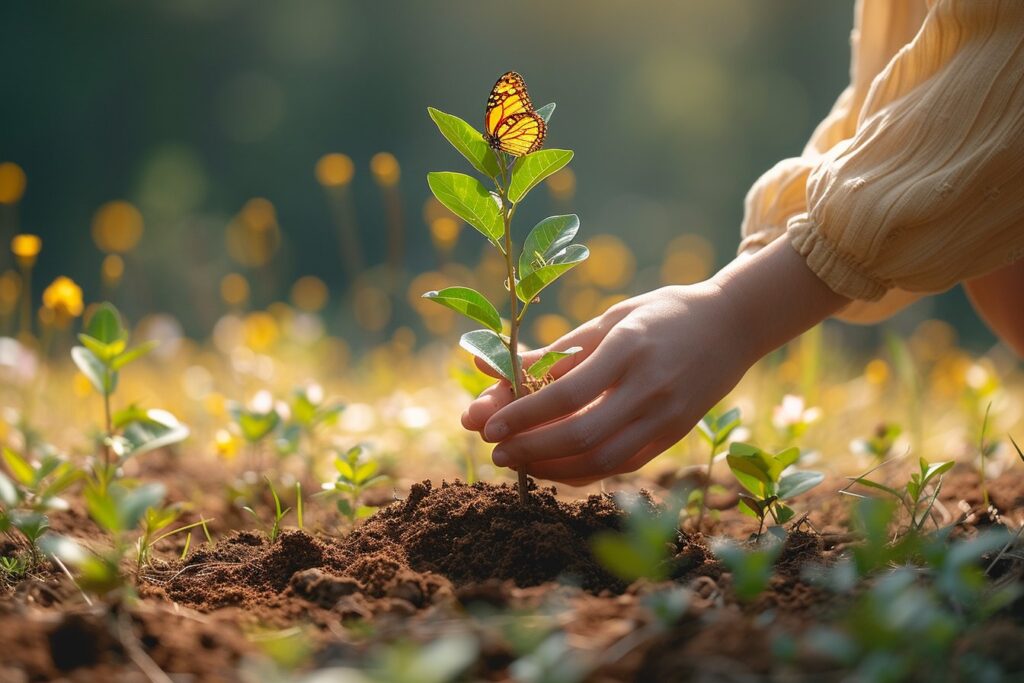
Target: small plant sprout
{"points": [[643, 549], [274, 529], [881, 442], [256, 421], [154, 525], [715, 430], [118, 511], [308, 415], [769, 480], [917, 496], [547, 253], [102, 355], [353, 480], [12, 568], [751, 568], [33, 490], [985, 451]]}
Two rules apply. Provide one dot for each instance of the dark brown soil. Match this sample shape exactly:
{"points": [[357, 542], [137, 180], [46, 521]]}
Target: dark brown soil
{"points": [[466, 542]]}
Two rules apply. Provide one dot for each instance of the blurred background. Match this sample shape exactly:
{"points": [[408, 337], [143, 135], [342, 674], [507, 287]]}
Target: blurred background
{"points": [[198, 157]]}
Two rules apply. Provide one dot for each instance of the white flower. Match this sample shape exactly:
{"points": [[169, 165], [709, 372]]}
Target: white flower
{"points": [[792, 412]]}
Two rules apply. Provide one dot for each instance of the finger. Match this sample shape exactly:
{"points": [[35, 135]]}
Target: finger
{"points": [[615, 455], [582, 431], [564, 396], [490, 400]]}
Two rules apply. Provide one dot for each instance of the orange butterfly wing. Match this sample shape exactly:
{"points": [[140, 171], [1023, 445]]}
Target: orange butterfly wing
{"points": [[521, 133], [510, 123]]}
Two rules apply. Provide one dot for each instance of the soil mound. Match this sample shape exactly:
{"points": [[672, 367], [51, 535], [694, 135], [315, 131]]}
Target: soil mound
{"points": [[418, 551]]}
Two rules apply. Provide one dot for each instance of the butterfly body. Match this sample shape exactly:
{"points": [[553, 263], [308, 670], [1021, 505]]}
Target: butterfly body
{"points": [[510, 123]]}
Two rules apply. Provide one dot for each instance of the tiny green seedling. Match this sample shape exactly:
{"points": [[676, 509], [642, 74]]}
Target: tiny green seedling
{"points": [[256, 422], [274, 529], [715, 430], [353, 480], [117, 510], [33, 490], [154, 525], [769, 481], [985, 450], [917, 496], [13, 568], [547, 254], [881, 442], [309, 413], [643, 549], [132, 431], [751, 568]]}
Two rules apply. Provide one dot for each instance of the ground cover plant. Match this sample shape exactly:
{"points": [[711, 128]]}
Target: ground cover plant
{"points": [[285, 517]]}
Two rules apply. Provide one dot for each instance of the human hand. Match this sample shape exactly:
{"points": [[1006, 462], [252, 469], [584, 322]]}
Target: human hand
{"points": [[650, 368]]}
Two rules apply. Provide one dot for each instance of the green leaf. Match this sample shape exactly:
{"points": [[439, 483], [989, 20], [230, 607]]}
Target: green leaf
{"points": [[751, 473], [105, 352], [936, 469], [364, 511], [548, 360], [469, 303], [102, 508], [105, 325], [546, 240], [345, 469], [533, 168], [133, 354], [468, 199], [546, 111], [795, 483], [468, 141], [158, 429], [365, 472], [94, 370], [134, 504], [488, 347], [19, 467], [617, 555], [532, 285], [875, 485]]}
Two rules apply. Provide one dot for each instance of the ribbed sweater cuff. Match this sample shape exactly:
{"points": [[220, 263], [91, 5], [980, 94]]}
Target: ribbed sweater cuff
{"points": [[835, 269]]}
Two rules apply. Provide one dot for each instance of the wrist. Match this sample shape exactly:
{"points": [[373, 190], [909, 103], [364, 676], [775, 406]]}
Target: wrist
{"points": [[772, 297]]}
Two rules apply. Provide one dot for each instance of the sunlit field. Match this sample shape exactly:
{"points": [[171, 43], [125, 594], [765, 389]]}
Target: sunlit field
{"points": [[232, 441]]}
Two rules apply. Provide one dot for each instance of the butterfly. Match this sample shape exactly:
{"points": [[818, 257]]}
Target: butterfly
{"points": [[510, 123]]}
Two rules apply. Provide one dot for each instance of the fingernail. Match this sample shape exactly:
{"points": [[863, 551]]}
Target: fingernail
{"points": [[496, 431], [500, 458]]}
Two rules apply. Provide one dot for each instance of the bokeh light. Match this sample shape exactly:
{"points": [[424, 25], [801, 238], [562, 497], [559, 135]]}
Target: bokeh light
{"points": [[309, 293], [335, 170], [117, 227], [12, 183], [385, 169]]}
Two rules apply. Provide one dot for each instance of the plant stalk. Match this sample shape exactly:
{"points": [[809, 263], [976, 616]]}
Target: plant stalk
{"points": [[514, 318], [109, 423]]}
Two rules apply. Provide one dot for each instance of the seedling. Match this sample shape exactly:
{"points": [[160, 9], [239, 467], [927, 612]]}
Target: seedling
{"points": [[547, 252], [917, 496], [309, 413], [880, 444], [769, 481], [354, 479], [117, 510], [256, 421], [715, 430], [751, 568], [104, 352], [13, 568], [985, 451], [33, 490], [643, 549], [154, 523], [274, 529]]}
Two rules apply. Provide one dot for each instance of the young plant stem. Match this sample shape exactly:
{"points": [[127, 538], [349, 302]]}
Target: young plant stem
{"points": [[109, 425], [514, 317], [707, 485]]}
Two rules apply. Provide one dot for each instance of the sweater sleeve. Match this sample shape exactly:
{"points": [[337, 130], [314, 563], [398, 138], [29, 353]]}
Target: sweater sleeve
{"points": [[881, 28], [929, 191]]}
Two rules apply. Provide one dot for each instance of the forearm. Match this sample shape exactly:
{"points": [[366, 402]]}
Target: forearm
{"points": [[773, 296]]}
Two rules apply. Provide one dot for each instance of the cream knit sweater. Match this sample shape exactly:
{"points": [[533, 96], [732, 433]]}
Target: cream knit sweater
{"points": [[915, 180]]}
